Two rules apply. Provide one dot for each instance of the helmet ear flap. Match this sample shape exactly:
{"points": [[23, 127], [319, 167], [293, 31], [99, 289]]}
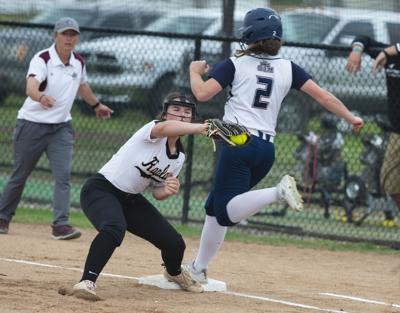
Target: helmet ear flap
{"points": [[247, 38]]}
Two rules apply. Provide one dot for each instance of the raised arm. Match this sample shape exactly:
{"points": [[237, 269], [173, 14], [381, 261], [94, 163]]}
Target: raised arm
{"points": [[360, 45], [202, 90], [332, 104], [383, 57]]}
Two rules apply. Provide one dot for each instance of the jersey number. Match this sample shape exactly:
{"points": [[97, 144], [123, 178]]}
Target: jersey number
{"points": [[262, 93]]}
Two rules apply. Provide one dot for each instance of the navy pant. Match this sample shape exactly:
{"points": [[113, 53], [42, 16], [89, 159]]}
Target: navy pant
{"points": [[238, 170]]}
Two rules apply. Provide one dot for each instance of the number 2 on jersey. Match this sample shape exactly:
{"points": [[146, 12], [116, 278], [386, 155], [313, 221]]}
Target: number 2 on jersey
{"points": [[262, 93]]}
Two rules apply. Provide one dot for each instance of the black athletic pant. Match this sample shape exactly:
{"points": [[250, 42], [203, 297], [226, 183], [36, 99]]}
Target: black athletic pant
{"points": [[112, 212]]}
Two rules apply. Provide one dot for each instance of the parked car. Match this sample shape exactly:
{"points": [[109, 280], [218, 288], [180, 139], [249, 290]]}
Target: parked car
{"points": [[100, 18], [19, 44], [336, 26], [138, 71]]}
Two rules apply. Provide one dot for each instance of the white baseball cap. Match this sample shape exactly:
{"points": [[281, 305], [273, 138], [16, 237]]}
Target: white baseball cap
{"points": [[66, 23]]}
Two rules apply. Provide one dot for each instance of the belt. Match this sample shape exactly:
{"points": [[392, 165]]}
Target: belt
{"points": [[262, 135]]}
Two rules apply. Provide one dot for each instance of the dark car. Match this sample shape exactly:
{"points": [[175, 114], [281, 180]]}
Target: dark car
{"points": [[19, 44]]}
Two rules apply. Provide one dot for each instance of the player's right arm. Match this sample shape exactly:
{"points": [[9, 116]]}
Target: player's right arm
{"points": [[172, 128], [32, 91], [332, 104], [37, 73], [202, 90]]}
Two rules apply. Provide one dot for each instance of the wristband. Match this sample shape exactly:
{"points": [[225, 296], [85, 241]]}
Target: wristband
{"points": [[96, 105], [40, 99], [386, 54], [357, 49]]}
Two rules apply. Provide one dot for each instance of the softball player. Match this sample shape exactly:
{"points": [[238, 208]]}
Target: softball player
{"points": [[259, 80], [112, 199]]}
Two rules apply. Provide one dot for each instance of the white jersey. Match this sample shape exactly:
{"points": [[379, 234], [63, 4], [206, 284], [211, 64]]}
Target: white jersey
{"points": [[142, 162], [61, 81], [258, 86]]}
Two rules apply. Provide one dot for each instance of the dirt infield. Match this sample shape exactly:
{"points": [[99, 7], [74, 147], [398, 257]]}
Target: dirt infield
{"points": [[260, 278]]}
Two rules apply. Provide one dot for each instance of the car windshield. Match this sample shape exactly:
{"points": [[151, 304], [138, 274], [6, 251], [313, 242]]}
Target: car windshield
{"points": [[307, 28], [182, 24], [83, 17]]}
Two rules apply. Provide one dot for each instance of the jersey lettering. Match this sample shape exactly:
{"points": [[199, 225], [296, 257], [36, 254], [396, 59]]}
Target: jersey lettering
{"points": [[262, 94]]}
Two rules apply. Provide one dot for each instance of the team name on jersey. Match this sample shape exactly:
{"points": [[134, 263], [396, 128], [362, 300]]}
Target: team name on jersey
{"points": [[151, 171], [265, 66]]}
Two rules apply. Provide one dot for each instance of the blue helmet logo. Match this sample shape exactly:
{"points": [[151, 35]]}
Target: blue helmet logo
{"points": [[261, 24]]}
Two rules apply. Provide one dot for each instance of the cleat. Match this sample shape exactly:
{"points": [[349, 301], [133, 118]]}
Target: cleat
{"points": [[4, 225], [64, 232], [85, 289], [185, 281], [288, 191], [198, 275]]}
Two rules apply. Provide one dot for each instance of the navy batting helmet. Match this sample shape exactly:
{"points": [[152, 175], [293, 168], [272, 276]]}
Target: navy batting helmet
{"points": [[261, 24], [175, 98]]}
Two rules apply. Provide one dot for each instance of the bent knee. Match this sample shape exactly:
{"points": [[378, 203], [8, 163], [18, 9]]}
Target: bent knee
{"points": [[117, 232], [177, 244], [223, 219]]}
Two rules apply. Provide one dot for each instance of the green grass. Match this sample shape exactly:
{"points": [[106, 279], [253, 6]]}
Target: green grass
{"points": [[97, 141], [78, 219]]}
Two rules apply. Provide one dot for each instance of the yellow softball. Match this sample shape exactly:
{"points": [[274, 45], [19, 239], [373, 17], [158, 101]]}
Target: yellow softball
{"points": [[239, 139]]}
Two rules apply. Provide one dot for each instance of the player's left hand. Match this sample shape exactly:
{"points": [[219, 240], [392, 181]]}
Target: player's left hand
{"points": [[357, 123], [199, 67], [103, 112], [171, 185], [379, 62]]}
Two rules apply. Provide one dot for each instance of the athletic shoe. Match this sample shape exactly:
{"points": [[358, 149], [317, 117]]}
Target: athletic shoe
{"points": [[85, 289], [288, 191], [184, 280], [4, 224], [198, 275], [64, 232]]}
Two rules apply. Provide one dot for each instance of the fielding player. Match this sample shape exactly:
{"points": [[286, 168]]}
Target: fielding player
{"points": [[113, 202]]}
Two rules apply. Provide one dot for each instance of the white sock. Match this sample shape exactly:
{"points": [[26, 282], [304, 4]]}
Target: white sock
{"points": [[212, 238], [249, 203]]}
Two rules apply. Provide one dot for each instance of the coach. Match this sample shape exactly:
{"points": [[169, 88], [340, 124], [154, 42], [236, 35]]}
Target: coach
{"points": [[55, 76]]}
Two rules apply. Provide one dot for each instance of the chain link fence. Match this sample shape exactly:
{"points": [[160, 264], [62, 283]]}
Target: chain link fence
{"points": [[132, 70]]}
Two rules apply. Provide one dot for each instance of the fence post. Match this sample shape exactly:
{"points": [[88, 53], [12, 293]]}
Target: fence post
{"points": [[189, 154]]}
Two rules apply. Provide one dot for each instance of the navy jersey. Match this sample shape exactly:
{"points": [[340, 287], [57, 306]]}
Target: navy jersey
{"points": [[258, 85]]}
